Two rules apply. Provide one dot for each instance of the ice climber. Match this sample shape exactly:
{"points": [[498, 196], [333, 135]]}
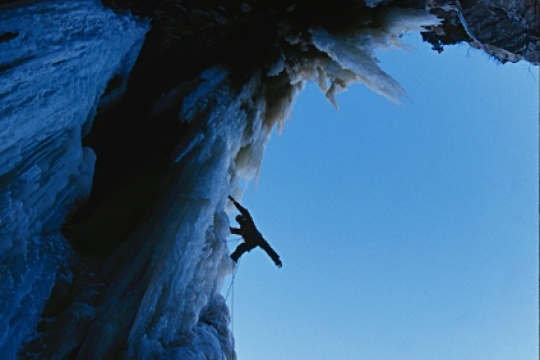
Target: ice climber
{"points": [[252, 236]]}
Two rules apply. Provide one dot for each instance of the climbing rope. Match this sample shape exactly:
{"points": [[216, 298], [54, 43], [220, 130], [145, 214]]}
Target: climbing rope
{"points": [[232, 310], [231, 286], [232, 281]]}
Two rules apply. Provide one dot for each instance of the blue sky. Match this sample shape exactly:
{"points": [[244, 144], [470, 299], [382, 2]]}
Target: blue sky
{"points": [[406, 231]]}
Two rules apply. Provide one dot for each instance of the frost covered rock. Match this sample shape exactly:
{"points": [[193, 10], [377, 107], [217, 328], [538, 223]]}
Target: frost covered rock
{"points": [[507, 30]]}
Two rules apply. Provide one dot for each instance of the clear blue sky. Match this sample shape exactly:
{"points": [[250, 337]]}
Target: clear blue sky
{"points": [[406, 231]]}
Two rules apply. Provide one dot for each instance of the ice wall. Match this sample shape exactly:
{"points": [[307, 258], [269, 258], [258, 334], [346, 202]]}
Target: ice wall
{"points": [[55, 61], [161, 297], [169, 274]]}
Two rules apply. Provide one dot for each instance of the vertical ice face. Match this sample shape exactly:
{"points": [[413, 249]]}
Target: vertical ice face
{"points": [[162, 297], [55, 59], [180, 312]]}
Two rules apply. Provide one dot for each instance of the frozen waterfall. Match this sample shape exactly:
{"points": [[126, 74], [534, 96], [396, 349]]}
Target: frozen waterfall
{"points": [[158, 294]]}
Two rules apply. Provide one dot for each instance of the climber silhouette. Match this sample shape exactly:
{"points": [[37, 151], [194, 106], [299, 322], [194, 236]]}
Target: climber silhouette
{"points": [[252, 236]]}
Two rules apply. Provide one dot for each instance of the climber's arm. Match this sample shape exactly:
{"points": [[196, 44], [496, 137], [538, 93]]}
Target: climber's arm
{"points": [[236, 231], [240, 208]]}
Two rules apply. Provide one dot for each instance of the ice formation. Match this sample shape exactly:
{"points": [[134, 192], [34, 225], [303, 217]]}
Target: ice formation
{"points": [[354, 51], [158, 295], [54, 71]]}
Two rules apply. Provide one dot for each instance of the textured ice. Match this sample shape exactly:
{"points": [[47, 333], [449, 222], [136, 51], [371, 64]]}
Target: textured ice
{"points": [[172, 269], [63, 55], [54, 70], [27, 278], [355, 51]]}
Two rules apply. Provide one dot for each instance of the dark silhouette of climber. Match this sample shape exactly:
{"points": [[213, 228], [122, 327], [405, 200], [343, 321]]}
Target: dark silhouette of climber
{"points": [[252, 236]]}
